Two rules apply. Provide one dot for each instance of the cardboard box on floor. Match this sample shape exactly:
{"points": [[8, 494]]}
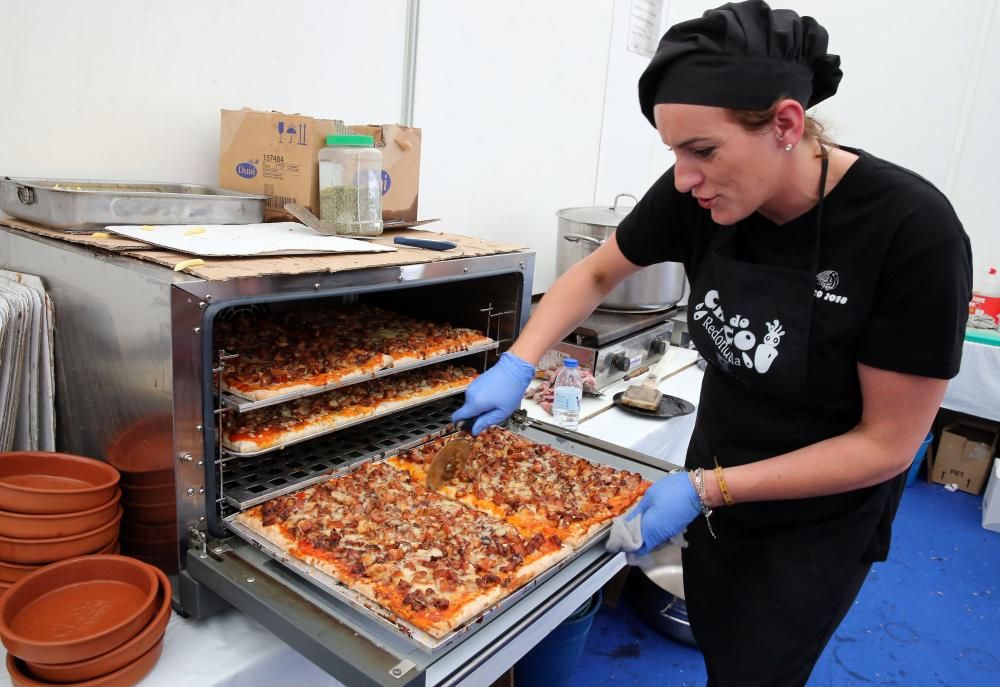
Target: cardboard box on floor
{"points": [[991, 499], [276, 154], [965, 454]]}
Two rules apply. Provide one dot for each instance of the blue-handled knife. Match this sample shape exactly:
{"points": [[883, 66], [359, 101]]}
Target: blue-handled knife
{"points": [[423, 243]]}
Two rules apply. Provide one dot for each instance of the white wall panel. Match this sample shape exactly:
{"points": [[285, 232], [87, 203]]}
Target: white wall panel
{"points": [[974, 190], [132, 90], [510, 97], [526, 107]]}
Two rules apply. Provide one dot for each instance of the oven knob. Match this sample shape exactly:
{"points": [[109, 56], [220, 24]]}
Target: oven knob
{"points": [[620, 362], [657, 346]]}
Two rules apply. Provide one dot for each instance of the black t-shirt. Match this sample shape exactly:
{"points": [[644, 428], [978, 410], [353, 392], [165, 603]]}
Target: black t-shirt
{"points": [[899, 253], [893, 287]]}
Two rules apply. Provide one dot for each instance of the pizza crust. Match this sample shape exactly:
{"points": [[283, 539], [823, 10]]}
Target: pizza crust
{"points": [[536, 567], [328, 423], [275, 391], [405, 475]]}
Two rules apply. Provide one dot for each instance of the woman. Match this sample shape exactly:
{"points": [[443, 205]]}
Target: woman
{"points": [[829, 294]]}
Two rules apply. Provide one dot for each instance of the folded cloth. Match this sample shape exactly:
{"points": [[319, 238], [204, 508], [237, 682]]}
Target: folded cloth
{"points": [[626, 535]]}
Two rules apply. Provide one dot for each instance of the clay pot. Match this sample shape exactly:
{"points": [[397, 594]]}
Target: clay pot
{"points": [[167, 561], [143, 452], [12, 572], [78, 609], [117, 658], [149, 534], [25, 526], [153, 493], [56, 549], [40, 482], [123, 677], [161, 513]]}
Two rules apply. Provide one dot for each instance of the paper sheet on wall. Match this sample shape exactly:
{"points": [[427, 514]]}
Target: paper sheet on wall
{"points": [[644, 26], [230, 240]]}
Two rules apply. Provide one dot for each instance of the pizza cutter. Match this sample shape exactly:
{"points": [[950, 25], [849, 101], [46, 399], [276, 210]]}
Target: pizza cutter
{"points": [[449, 460]]}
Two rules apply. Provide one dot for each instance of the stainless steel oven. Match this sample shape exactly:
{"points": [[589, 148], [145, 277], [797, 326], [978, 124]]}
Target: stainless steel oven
{"points": [[135, 341]]}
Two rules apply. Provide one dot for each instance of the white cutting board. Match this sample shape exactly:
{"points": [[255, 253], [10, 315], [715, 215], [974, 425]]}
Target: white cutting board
{"points": [[229, 240]]}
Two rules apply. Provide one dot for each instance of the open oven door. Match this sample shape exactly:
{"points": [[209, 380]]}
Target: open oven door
{"points": [[355, 649]]}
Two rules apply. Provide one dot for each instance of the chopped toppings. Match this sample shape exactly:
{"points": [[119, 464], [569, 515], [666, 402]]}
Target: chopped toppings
{"points": [[431, 559]]}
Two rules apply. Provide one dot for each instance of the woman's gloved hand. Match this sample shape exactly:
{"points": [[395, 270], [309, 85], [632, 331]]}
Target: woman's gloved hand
{"points": [[667, 508], [496, 393]]}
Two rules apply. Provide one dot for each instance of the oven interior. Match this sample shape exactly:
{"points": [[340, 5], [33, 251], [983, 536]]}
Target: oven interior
{"points": [[236, 481]]}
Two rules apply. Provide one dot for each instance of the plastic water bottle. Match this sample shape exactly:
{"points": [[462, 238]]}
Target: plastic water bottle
{"points": [[568, 391]]}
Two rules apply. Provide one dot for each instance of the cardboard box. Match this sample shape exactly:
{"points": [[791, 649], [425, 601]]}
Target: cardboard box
{"points": [[991, 500], [965, 454], [988, 306], [400, 146], [276, 154]]}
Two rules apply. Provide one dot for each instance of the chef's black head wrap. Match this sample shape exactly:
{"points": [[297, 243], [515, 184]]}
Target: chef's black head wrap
{"points": [[743, 55]]}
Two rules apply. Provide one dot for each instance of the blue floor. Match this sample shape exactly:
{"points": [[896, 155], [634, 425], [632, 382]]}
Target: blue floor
{"points": [[929, 616]]}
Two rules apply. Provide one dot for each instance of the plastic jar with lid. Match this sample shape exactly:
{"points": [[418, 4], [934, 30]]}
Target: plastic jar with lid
{"points": [[350, 185]]}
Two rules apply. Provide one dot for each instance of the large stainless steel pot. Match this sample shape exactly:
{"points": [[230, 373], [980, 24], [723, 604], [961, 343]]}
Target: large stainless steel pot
{"points": [[584, 229]]}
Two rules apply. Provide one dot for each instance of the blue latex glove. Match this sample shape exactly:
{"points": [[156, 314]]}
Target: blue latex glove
{"points": [[496, 393], [667, 508]]}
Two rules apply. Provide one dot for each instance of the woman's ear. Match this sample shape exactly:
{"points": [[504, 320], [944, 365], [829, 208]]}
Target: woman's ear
{"points": [[789, 122]]}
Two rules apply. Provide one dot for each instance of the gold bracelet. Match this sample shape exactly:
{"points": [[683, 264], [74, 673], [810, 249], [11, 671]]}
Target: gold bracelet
{"points": [[723, 487], [699, 486]]}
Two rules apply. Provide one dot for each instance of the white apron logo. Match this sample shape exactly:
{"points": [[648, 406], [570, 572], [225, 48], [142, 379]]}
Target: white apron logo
{"points": [[733, 337], [828, 280]]}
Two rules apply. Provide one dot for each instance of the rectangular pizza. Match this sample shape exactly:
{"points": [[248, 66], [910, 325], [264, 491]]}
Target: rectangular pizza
{"points": [[277, 425], [438, 559], [533, 486], [303, 350]]}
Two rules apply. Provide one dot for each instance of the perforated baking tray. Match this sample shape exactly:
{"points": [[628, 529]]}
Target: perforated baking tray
{"points": [[233, 400]]}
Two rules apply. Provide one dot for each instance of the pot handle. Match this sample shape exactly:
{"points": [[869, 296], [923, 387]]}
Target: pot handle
{"points": [[574, 238], [614, 205]]}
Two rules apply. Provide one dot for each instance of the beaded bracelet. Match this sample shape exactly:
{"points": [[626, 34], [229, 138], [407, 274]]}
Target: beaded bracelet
{"points": [[699, 486]]}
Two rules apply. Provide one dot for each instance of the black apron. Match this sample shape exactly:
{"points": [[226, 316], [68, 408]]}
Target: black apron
{"points": [[765, 596]]}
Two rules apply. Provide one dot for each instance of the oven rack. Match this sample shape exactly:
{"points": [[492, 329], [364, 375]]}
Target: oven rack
{"points": [[249, 480], [229, 453], [243, 405]]}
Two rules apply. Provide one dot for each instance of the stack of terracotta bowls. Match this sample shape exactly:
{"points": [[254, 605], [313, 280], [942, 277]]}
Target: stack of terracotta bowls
{"points": [[54, 506], [142, 454], [96, 621]]}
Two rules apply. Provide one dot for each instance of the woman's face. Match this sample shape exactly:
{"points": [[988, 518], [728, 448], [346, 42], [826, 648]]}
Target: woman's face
{"points": [[730, 171]]}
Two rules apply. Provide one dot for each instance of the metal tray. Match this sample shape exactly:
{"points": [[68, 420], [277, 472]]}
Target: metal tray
{"points": [[367, 418], [89, 204], [371, 609], [233, 400]]}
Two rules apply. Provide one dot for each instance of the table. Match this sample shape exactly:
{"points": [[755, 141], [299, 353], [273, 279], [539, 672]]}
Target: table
{"points": [[661, 438], [976, 389], [226, 650]]}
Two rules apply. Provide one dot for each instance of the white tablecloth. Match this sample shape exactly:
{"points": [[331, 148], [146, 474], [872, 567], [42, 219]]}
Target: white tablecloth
{"points": [[666, 439], [226, 650], [976, 389]]}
